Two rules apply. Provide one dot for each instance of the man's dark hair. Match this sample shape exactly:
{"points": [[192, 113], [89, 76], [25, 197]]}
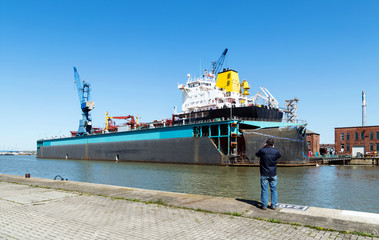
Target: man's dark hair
{"points": [[270, 142]]}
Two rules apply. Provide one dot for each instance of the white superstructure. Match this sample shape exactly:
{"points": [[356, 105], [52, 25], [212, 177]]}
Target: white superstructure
{"points": [[205, 93]]}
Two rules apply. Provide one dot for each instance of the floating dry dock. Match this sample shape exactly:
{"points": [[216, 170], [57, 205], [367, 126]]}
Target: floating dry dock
{"points": [[209, 142]]}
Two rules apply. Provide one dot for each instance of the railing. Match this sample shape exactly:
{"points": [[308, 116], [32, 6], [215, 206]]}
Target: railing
{"points": [[196, 121], [331, 159], [345, 159]]}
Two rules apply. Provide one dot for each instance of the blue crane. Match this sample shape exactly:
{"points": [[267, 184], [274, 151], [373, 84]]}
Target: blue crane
{"points": [[85, 124], [217, 65]]}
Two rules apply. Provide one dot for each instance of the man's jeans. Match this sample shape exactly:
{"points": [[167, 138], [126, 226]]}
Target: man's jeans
{"points": [[273, 181]]}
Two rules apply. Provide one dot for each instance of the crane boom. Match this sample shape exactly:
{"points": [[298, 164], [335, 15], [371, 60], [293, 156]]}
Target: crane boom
{"points": [[82, 87], [218, 65], [267, 97]]}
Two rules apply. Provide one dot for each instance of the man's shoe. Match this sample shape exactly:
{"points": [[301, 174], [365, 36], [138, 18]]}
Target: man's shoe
{"points": [[273, 208], [264, 208]]}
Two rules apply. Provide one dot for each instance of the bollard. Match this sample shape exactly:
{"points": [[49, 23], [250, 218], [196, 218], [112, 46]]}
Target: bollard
{"points": [[27, 175]]}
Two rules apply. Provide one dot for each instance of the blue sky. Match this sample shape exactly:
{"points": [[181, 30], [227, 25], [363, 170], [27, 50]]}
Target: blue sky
{"points": [[135, 52]]}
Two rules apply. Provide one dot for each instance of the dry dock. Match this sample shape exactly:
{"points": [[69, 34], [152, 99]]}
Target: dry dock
{"points": [[35, 208]]}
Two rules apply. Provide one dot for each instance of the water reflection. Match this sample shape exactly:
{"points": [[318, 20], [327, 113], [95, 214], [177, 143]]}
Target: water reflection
{"points": [[342, 187]]}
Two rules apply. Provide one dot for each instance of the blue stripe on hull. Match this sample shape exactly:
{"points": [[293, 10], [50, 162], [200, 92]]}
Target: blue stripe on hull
{"points": [[151, 134]]}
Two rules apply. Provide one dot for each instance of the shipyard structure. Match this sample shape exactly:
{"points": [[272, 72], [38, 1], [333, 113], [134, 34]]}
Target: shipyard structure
{"points": [[219, 125]]}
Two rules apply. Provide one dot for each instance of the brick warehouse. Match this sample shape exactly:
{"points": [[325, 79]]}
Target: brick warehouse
{"points": [[353, 140], [313, 141]]}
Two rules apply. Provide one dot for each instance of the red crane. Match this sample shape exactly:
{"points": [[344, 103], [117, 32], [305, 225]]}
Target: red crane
{"points": [[111, 125]]}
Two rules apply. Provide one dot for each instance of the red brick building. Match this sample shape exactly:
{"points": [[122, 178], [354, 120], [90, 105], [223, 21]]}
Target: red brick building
{"points": [[313, 141], [354, 140]]}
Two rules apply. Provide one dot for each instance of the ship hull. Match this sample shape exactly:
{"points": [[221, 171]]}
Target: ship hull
{"points": [[262, 113], [251, 112], [181, 150], [178, 145]]}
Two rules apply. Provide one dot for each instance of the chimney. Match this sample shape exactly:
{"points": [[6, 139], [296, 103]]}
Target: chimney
{"points": [[364, 105]]}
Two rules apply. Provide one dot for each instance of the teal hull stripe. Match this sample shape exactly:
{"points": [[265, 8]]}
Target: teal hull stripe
{"points": [[121, 137]]}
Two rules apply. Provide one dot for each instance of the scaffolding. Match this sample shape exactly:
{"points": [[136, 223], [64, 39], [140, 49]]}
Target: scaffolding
{"points": [[291, 110]]}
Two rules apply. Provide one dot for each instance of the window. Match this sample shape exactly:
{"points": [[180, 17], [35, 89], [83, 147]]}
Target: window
{"points": [[356, 136], [377, 147], [347, 136], [347, 147], [362, 135], [342, 136], [377, 135], [371, 147], [342, 147], [309, 144], [371, 135]]}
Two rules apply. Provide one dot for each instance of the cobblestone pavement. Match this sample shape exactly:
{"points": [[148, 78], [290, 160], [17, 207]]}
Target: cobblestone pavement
{"points": [[39, 213]]}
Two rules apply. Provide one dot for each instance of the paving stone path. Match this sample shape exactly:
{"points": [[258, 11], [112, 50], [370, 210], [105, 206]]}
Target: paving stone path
{"points": [[38, 213]]}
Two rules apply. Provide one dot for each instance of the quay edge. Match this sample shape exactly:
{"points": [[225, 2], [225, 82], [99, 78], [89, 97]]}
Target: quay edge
{"points": [[323, 218]]}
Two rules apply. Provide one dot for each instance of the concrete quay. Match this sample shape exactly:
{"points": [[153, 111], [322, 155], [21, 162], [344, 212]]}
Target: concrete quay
{"points": [[36, 208]]}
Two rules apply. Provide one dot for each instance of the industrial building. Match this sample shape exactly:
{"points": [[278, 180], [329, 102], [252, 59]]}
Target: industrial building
{"points": [[313, 141], [360, 140], [357, 140]]}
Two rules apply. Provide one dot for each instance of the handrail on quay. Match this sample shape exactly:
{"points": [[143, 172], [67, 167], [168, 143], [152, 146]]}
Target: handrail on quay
{"points": [[345, 160]]}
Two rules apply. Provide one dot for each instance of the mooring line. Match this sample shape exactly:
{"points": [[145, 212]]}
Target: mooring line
{"points": [[266, 135], [290, 139]]}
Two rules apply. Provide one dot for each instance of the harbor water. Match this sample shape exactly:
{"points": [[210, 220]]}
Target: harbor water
{"points": [[337, 187]]}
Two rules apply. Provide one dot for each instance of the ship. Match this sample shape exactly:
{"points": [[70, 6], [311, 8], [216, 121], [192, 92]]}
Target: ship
{"points": [[219, 124]]}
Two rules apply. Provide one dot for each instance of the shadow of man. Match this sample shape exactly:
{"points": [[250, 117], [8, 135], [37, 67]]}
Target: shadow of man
{"points": [[251, 202]]}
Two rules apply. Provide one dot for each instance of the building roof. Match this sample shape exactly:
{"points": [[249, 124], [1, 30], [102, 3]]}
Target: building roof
{"points": [[311, 132], [359, 127]]}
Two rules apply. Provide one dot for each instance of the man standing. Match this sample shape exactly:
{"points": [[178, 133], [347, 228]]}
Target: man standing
{"points": [[268, 158]]}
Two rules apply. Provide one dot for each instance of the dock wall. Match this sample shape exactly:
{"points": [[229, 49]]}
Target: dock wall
{"points": [[179, 150]]}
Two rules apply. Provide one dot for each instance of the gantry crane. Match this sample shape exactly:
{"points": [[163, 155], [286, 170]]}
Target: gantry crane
{"points": [[83, 88]]}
